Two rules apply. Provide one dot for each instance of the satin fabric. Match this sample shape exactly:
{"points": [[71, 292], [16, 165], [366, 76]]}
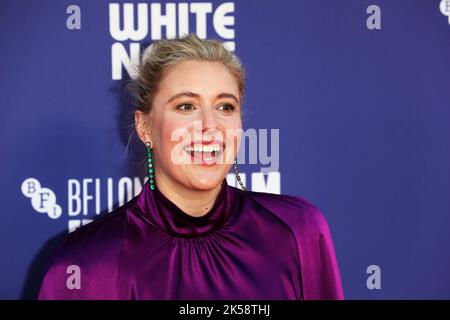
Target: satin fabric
{"points": [[248, 246]]}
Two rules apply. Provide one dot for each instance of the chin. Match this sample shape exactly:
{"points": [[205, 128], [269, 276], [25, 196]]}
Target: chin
{"points": [[206, 180]]}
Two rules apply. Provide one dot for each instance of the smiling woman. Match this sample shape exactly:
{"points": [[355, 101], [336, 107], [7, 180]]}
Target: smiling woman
{"points": [[188, 235], [197, 101]]}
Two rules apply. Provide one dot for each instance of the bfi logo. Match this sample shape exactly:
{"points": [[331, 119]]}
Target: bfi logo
{"points": [[444, 6]]}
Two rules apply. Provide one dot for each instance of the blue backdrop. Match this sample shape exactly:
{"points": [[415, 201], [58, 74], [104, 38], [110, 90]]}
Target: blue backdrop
{"points": [[360, 96]]}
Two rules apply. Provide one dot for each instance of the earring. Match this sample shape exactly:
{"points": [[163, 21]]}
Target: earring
{"points": [[238, 178], [151, 175]]}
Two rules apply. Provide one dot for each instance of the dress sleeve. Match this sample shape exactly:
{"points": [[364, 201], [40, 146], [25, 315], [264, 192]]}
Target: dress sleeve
{"points": [[318, 259], [54, 286], [320, 275], [86, 264]]}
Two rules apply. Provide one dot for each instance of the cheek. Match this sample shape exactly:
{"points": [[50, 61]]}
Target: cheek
{"points": [[172, 132], [233, 125], [165, 127], [232, 129], [231, 122]]}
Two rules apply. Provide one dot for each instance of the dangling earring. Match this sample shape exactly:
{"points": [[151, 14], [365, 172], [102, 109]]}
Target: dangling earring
{"points": [[151, 175], [238, 178]]}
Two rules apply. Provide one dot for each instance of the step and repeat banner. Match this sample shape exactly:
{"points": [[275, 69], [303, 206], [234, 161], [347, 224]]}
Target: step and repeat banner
{"points": [[347, 105]]}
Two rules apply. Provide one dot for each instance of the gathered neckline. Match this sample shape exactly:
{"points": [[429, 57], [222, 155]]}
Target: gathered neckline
{"points": [[168, 217]]}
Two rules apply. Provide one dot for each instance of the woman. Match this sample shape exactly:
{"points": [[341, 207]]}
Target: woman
{"points": [[188, 235]]}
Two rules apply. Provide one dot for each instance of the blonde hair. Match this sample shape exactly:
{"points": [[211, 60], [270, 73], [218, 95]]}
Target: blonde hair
{"points": [[166, 53]]}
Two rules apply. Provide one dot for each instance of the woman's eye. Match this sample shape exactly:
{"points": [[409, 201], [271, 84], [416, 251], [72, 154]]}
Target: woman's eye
{"points": [[185, 107], [226, 107]]}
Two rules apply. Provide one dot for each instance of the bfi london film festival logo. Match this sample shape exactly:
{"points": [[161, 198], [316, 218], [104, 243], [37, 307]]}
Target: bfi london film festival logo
{"points": [[444, 7], [43, 200], [84, 198]]}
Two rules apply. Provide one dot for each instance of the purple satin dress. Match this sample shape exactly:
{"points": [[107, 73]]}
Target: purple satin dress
{"points": [[248, 246]]}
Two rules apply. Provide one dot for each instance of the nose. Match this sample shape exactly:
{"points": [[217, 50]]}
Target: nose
{"points": [[208, 118]]}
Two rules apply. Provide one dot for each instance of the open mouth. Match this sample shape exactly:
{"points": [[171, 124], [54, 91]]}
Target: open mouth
{"points": [[206, 154]]}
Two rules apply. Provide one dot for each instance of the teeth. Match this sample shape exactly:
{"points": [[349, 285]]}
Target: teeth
{"points": [[204, 148]]}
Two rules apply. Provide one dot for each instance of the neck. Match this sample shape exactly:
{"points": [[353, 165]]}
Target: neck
{"points": [[193, 202]]}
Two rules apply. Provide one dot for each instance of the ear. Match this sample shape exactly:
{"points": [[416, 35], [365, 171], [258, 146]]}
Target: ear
{"points": [[142, 123]]}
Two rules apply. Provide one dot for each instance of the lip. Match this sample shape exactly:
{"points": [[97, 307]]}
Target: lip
{"points": [[208, 157], [204, 160], [207, 142]]}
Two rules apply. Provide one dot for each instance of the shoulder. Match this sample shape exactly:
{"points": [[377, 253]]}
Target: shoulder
{"points": [[320, 272], [296, 211], [90, 253], [99, 240]]}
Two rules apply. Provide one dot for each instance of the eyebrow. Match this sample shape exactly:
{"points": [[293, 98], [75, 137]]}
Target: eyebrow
{"points": [[196, 95]]}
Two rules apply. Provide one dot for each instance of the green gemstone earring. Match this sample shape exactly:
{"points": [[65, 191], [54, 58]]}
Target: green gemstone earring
{"points": [[238, 178], [151, 172]]}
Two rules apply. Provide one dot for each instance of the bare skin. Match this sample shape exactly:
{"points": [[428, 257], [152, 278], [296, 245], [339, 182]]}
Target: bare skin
{"points": [[192, 180]]}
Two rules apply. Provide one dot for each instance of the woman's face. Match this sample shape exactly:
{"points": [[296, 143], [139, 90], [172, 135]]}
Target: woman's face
{"points": [[195, 125]]}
